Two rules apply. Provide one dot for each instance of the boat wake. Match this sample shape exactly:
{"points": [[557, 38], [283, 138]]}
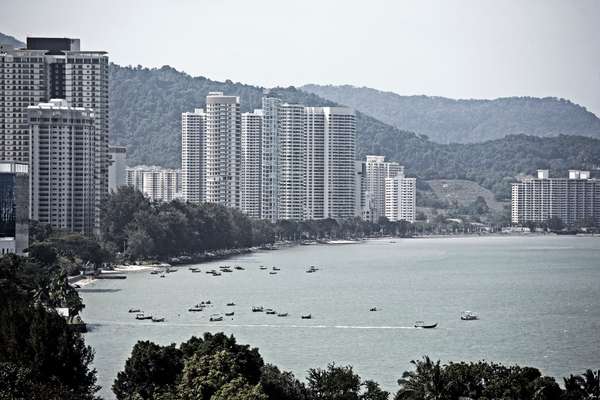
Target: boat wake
{"points": [[228, 325]]}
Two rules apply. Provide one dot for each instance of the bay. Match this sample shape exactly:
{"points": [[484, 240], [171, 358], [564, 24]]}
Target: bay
{"points": [[538, 298]]}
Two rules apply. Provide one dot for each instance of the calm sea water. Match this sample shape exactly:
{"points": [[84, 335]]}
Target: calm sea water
{"points": [[538, 299]]}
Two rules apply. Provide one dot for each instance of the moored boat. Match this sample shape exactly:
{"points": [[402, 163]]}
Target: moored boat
{"points": [[270, 312], [284, 314], [134, 310], [155, 319], [468, 316], [229, 314], [423, 325], [143, 316], [231, 304], [257, 309], [306, 316], [216, 317]]}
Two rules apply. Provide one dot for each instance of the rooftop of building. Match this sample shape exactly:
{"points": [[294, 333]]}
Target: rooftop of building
{"points": [[57, 104]]}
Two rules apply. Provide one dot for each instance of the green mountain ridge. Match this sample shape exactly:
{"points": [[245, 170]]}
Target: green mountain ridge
{"points": [[447, 120]]}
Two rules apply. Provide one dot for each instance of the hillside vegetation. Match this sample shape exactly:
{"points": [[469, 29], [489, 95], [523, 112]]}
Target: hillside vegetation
{"points": [[146, 106], [446, 120]]}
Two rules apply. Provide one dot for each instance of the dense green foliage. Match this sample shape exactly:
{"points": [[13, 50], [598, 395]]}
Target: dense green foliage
{"points": [[466, 121], [140, 229], [216, 367], [40, 356], [146, 106]]}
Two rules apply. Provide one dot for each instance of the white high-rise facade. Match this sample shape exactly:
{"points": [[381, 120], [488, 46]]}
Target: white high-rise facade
{"points": [[62, 158], [269, 158], [286, 161], [222, 156], [251, 162], [573, 199], [377, 170], [193, 131], [157, 183], [400, 198], [291, 164], [117, 175]]}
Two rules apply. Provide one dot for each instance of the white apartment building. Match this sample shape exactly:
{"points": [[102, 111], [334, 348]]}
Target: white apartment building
{"points": [[572, 199], [117, 175], [222, 155], [157, 183], [291, 165], [400, 198], [251, 162], [193, 130], [376, 171], [331, 142], [269, 158], [62, 157]]}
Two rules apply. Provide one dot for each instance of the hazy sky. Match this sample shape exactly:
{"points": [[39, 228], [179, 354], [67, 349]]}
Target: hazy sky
{"points": [[459, 49]]}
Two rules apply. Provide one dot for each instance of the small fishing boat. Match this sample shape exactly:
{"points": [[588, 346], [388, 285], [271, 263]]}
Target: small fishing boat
{"points": [[207, 302], [230, 304], [276, 269], [216, 273], [161, 319], [154, 272], [196, 308], [162, 275], [143, 316], [215, 318], [306, 316], [468, 316], [283, 314], [272, 272], [229, 314], [134, 310], [373, 309], [257, 309], [239, 268], [263, 267], [312, 269], [226, 270], [271, 312], [423, 325]]}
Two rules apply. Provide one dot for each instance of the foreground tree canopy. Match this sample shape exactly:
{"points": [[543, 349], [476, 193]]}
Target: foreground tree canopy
{"points": [[40, 356], [216, 367]]}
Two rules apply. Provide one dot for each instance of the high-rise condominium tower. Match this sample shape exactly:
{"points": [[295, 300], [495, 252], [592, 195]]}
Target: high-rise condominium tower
{"points": [[291, 165], [251, 161], [53, 68], [117, 175], [222, 150], [377, 170], [193, 130], [330, 143], [158, 184], [62, 156], [400, 198], [573, 199], [269, 158]]}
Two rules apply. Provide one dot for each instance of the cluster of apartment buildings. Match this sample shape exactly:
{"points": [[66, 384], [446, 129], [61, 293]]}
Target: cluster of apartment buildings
{"points": [[281, 162], [54, 126], [386, 191], [574, 198], [284, 161], [157, 183]]}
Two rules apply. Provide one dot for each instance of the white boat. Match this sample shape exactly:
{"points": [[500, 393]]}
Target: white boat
{"points": [[468, 316]]}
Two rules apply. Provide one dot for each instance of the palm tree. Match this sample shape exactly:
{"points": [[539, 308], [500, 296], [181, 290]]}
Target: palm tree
{"points": [[426, 382]]}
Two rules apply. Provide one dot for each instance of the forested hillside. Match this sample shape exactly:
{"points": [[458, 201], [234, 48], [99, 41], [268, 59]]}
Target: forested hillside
{"points": [[146, 106], [446, 120]]}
